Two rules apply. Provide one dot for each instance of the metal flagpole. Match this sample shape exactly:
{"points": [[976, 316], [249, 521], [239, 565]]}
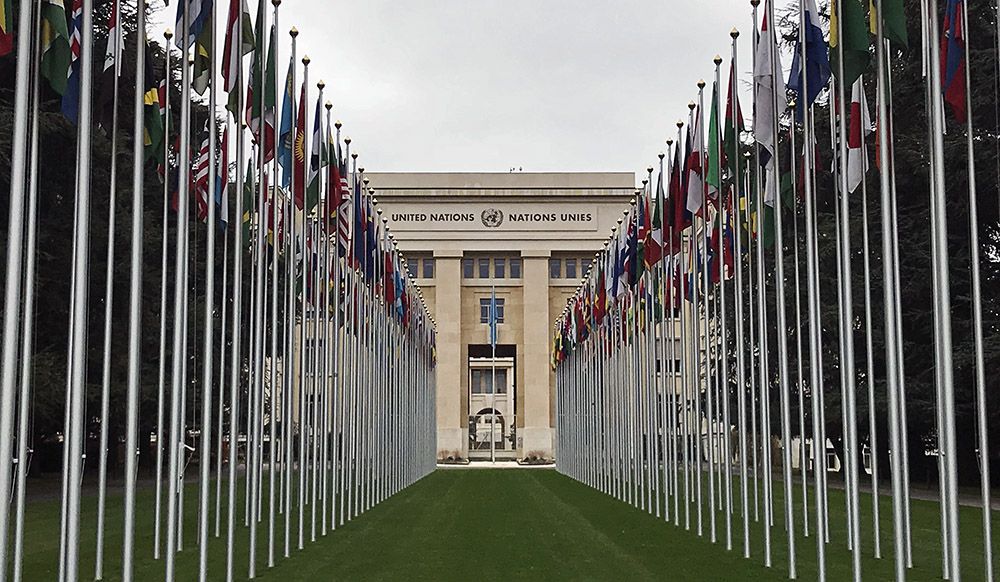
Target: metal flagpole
{"points": [[175, 441], [291, 275], [204, 447], [220, 411], [493, 371], [114, 41], [303, 323], [16, 252], [161, 387], [135, 297], [704, 337]]}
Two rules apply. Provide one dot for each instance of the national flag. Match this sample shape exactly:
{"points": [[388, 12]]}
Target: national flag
{"points": [[239, 41], [601, 294], [56, 53], [680, 217], [893, 22], [617, 271], [199, 19], [153, 121], [732, 133], [849, 17], [860, 127], [286, 131], [248, 203], [630, 270], [313, 178], [953, 60], [257, 86], [817, 65], [695, 167], [768, 81], [107, 100], [201, 177], [71, 97], [714, 179], [222, 181], [653, 248], [202, 73], [6, 27], [299, 152], [642, 233]]}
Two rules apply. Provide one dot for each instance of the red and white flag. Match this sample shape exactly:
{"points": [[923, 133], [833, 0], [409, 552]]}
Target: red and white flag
{"points": [[860, 128]]}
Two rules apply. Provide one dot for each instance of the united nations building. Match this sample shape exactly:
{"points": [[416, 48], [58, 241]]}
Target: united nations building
{"points": [[528, 237]]}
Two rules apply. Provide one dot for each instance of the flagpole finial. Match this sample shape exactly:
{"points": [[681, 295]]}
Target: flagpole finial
{"points": [[355, 154], [649, 169], [644, 183], [329, 106], [306, 60], [338, 124], [734, 33], [379, 212], [294, 32], [371, 192], [691, 106], [168, 34], [362, 170], [717, 60], [321, 85], [276, 3], [661, 155], [680, 124], [701, 83], [755, 3]]}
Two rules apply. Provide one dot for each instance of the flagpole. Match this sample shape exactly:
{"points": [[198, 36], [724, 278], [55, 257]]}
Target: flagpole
{"points": [[76, 373], [15, 255], [291, 277], [659, 371], [28, 330], [220, 411], [161, 387], [754, 224], [102, 463]]}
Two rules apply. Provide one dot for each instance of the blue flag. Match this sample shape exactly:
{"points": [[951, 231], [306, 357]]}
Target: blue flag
{"points": [[71, 98], [817, 66], [200, 13], [285, 130]]}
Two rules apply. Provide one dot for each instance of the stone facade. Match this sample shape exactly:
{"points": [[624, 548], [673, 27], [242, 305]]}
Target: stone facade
{"points": [[529, 238]]}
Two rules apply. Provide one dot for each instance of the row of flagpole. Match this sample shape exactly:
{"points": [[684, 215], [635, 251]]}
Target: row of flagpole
{"points": [[332, 351], [670, 325]]}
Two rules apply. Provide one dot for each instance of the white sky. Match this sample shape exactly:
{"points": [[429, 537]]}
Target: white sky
{"points": [[486, 85]]}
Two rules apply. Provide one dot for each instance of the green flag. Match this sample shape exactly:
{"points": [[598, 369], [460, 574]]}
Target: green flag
{"points": [[254, 86], [203, 59], [851, 17], [893, 22], [714, 179], [56, 53]]}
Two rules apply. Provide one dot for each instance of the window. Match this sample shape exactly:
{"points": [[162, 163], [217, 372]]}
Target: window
{"points": [[484, 310], [428, 272], [555, 268], [467, 269], [411, 267], [515, 268], [571, 268], [484, 268], [500, 268], [482, 380]]}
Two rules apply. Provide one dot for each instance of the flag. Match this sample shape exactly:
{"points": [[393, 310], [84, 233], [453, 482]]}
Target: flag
{"points": [[199, 19], [630, 271], [817, 65], [257, 87], [286, 129], [313, 178], [680, 217], [153, 124], [860, 127], [6, 27], [766, 84], [107, 100], [56, 54], [850, 17], [694, 170], [731, 137], [239, 41], [714, 179], [493, 318], [653, 248], [71, 97], [953, 60], [222, 181], [248, 205], [202, 73], [299, 152], [893, 22], [201, 176]]}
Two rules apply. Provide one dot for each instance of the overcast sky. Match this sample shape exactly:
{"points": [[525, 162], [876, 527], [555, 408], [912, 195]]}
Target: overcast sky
{"points": [[486, 85]]}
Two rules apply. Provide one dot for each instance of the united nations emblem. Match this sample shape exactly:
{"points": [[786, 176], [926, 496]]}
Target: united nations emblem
{"points": [[492, 218]]}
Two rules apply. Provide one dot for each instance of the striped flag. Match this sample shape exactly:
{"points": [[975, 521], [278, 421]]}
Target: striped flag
{"points": [[861, 126], [201, 178], [71, 98], [107, 100]]}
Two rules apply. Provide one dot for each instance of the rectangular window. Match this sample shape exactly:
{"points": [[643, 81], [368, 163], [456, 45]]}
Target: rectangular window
{"points": [[467, 269], [484, 310], [555, 268], [500, 268], [484, 268], [515, 268], [411, 267], [428, 272], [482, 381], [571, 268]]}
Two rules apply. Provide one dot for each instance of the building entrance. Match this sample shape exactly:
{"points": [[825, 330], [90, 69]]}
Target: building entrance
{"points": [[492, 418]]}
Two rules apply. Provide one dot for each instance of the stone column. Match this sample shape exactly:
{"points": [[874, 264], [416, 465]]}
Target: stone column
{"points": [[537, 430], [451, 419]]}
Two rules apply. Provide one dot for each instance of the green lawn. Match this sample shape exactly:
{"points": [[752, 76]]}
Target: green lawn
{"points": [[505, 525]]}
